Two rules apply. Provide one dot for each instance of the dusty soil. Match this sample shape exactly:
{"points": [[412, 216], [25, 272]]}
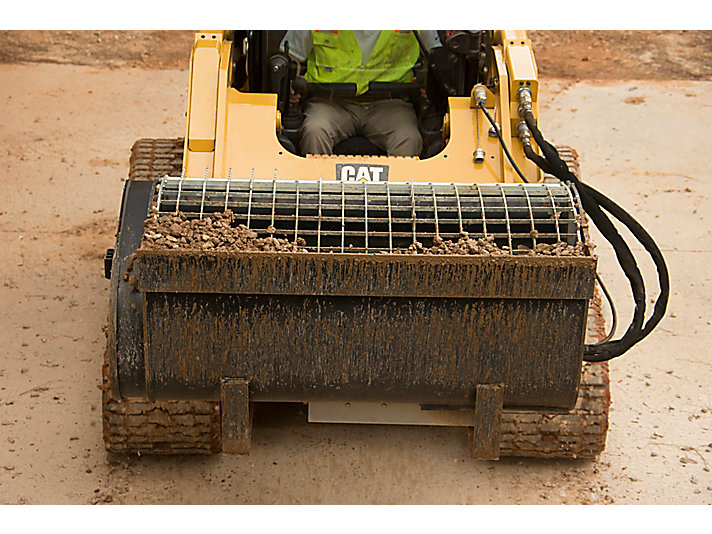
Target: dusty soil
{"points": [[602, 54], [624, 55], [65, 137], [112, 49]]}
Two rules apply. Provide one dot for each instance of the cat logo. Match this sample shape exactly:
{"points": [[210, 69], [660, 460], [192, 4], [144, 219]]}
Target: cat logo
{"points": [[359, 172]]}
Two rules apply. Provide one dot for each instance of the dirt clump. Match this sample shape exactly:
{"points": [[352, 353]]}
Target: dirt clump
{"points": [[465, 245], [213, 233]]}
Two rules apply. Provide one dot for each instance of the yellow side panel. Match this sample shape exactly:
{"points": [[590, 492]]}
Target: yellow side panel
{"points": [[522, 69], [203, 97], [200, 164], [504, 36]]}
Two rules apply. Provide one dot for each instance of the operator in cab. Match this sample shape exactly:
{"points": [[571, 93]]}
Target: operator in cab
{"points": [[359, 57]]}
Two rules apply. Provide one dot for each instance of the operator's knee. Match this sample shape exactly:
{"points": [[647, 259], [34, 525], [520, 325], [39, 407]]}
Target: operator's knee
{"points": [[393, 126], [405, 141], [316, 136]]}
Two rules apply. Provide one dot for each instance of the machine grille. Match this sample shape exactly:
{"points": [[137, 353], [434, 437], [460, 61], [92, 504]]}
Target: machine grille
{"points": [[333, 216]]}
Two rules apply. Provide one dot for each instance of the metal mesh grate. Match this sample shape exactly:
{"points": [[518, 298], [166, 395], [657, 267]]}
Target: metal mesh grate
{"points": [[381, 216]]}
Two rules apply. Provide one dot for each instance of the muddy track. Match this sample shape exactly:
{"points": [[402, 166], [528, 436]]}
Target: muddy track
{"points": [[139, 426]]}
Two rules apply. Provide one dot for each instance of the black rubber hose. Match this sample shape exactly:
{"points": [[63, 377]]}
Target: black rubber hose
{"points": [[645, 239], [592, 202], [501, 142], [537, 159], [629, 266], [614, 315], [639, 233], [625, 257]]}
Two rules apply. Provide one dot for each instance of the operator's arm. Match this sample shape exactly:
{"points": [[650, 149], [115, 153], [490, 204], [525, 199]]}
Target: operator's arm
{"points": [[430, 39], [300, 43]]}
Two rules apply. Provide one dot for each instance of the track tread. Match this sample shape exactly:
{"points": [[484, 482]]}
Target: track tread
{"points": [[139, 426], [155, 158]]}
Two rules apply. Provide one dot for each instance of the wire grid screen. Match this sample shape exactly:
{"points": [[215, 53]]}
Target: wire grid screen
{"points": [[333, 216]]}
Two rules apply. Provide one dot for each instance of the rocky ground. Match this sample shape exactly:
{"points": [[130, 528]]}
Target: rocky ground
{"points": [[635, 105]]}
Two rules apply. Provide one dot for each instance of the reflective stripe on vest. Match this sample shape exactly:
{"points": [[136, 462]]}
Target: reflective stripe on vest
{"points": [[336, 58]]}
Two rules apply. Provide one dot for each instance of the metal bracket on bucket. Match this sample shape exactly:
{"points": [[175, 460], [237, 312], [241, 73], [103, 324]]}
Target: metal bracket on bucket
{"points": [[484, 436], [235, 415]]}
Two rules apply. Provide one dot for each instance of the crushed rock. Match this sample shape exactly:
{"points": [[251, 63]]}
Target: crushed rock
{"points": [[217, 233], [467, 245], [214, 233]]}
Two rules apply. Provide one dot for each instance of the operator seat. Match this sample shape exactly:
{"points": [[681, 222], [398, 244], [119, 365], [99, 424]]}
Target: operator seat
{"points": [[357, 146]]}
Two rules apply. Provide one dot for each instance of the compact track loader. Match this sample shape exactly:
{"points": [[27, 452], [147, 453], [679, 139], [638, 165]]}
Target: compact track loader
{"points": [[457, 287]]}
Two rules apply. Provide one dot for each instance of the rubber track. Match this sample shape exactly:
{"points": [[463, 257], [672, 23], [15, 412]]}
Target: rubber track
{"points": [[139, 426], [154, 158]]}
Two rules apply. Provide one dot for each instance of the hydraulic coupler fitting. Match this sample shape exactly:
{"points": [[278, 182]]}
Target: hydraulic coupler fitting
{"points": [[480, 96], [524, 134], [524, 95]]}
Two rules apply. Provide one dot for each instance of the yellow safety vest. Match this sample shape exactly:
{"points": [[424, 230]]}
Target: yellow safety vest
{"points": [[336, 58]]}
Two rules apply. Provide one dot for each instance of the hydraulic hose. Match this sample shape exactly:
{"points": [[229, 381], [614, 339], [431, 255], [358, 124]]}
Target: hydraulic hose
{"points": [[614, 315], [501, 142], [537, 159], [645, 239], [623, 253], [594, 202]]}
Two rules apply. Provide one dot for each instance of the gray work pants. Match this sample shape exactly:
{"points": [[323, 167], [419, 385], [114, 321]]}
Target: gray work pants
{"points": [[391, 125]]}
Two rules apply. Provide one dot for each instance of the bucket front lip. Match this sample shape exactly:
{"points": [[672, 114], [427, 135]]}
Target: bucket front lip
{"points": [[378, 275]]}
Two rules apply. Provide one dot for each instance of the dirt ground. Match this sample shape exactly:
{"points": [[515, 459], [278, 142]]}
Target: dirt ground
{"points": [[600, 55], [636, 105]]}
